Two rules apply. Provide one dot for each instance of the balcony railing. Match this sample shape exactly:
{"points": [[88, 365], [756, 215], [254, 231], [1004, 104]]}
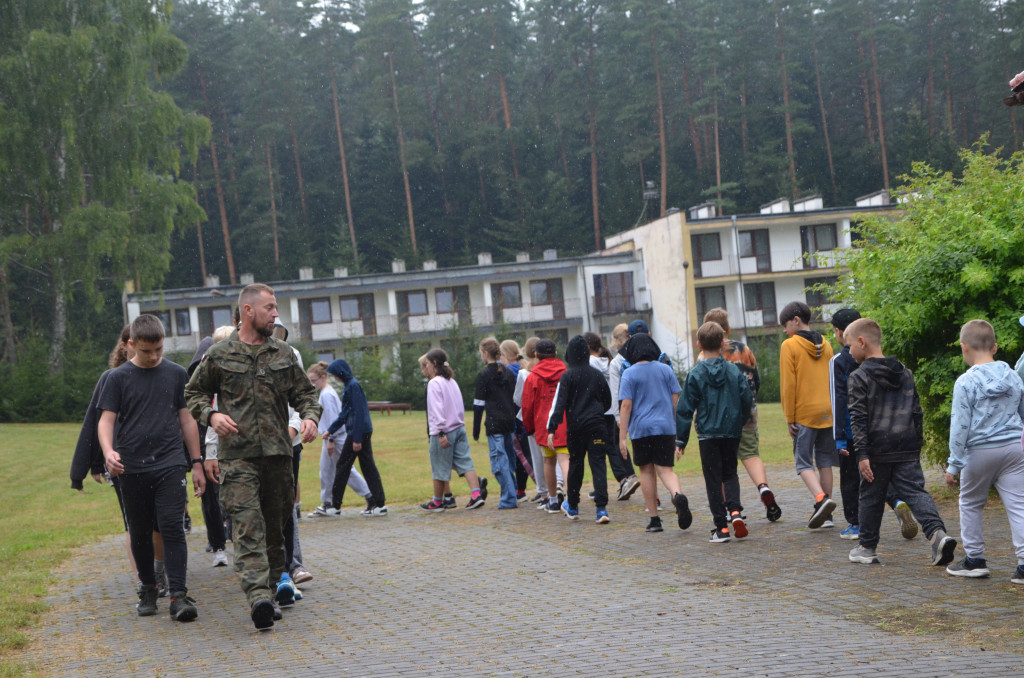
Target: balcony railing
{"points": [[778, 261]]}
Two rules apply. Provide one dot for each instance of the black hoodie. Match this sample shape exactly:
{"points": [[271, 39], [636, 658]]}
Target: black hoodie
{"points": [[582, 394], [885, 412]]}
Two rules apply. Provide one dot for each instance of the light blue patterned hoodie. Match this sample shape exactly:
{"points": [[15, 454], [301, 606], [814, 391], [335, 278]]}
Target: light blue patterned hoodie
{"points": [[988, 411]]}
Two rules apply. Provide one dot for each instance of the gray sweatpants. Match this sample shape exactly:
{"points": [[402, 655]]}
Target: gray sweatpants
{"points": [[328, 465], [1000, 467]]}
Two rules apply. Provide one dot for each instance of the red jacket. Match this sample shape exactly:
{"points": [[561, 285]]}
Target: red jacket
{"points": [[538, 398]]}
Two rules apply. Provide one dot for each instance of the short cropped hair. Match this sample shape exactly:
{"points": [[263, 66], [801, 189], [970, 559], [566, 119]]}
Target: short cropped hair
{"points": [[795, 309], [864, 327], [718, 315], [250, 292], [979, 335], [710, 336], [147, 328]]}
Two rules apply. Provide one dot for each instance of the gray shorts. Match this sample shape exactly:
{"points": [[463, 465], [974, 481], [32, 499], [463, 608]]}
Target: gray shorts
{"points": [[814, 447], [455, 456]]}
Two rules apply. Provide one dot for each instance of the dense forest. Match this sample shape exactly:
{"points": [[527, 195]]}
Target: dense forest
{"points": [[225, 137]]}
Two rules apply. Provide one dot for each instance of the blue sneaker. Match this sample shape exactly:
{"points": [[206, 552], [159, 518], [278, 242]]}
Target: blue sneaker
{"points": [[602, 517], [285, 595], [570, 512], [851, 532]]}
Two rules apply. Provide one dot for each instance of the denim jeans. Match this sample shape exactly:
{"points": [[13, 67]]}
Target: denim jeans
{"points": [[499, 446]]}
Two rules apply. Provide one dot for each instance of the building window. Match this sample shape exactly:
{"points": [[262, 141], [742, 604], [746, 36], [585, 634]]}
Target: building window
{"points": [[165, 318], [548, 292], [183, 322], [453, 300], [212, 318], [817, 293], [709, 298], [411, 304], [761, 297], [359, 307], [706, 247], [507, 295], [814, 239], [755, 244], [613, 292], [327, 357]]}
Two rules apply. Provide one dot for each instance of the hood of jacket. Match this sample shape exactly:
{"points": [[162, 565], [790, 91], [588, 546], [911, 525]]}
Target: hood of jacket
{"points": [[812, 342], [640, 347], [886, 372], [992, 379], [549, 369], [340, 369], [716, 371], [577, 353], [600, 364]]}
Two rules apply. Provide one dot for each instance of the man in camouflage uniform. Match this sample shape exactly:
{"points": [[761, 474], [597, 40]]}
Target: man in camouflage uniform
{"points": [[254, 377]]}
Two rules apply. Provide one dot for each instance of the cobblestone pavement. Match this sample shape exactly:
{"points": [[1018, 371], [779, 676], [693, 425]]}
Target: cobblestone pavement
{"points": [[522, 593]]}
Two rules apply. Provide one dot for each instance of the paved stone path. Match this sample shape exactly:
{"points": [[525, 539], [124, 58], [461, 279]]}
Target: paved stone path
{"points": [[522, 593]]}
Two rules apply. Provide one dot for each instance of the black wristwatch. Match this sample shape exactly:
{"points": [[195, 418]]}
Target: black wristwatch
{"points": [[197, 460]]}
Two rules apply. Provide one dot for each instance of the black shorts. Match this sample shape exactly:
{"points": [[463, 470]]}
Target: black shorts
{"points": [[660, 450]]}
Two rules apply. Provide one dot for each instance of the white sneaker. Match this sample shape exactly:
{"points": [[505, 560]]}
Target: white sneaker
{"points": [[220, 559]]}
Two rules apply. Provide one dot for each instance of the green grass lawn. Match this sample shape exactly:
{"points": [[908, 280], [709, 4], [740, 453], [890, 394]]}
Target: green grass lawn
{"points": [[43, 519]]}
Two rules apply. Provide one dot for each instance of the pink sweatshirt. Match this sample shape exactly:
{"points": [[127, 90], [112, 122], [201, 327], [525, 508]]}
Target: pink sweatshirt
{"points": [[445, 409]]}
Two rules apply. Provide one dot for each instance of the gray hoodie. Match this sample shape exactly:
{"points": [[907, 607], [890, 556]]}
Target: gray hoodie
{"points": [[988, 411]]}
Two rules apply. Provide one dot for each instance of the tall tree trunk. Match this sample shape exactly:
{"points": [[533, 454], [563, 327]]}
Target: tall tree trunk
{"points": [[698, 149], [298, 168], [718, 153], [341, 152], [662, 142], [930, 81], [10, 354], [824, 121], [787, 116], [869, 125], [595, 202], [435, 128], [273, 210], [401, 154], [220, 193], [878, 99]]}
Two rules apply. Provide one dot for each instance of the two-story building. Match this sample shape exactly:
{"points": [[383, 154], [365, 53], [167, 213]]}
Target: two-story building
{"points": [[551, 297], [749, 264]]}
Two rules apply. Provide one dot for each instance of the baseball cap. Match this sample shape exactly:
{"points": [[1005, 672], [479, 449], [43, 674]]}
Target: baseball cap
{"points": [[842, 318], [638, 326]]}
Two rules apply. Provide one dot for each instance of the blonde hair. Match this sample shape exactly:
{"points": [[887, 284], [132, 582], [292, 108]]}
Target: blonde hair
{"points": [[510, 350], [319, 369], [422, 360], [979, 335], [530, 351], [222, 333], [718, 315], [620, 334], [867, 328]]}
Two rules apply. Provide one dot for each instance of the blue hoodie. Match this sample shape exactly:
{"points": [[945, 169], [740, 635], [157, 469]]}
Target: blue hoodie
{"points": [[355, 410], [988, 411]]}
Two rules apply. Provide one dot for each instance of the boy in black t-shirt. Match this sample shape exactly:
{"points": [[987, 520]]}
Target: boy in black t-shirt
{"points": [[146, 397]]}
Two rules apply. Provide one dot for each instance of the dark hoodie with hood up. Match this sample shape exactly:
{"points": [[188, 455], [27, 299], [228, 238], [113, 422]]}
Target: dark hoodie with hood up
{"points": [[582, 395], [718, 392], [885, 412], [355, 410]]}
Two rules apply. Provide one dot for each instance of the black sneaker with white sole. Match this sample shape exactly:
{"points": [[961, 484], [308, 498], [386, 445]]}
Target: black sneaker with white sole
{"points": [[483, 488], [719, 535], [943, 547], [183, 608], [654, 525], [822, 512]]}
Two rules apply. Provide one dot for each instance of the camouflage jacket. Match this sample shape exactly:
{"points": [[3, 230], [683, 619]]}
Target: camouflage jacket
{"points": [[254, 386]]}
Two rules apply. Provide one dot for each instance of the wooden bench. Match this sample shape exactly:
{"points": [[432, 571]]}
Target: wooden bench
{"points": [[387, 406]]}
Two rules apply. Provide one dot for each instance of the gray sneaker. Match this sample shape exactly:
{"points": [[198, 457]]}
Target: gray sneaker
{"points": [[969, 567], [863, 554], [628, 487], [943, 547]]}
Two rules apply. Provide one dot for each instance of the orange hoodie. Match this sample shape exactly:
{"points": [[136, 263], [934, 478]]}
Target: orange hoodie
{"points": [[803, 370]]}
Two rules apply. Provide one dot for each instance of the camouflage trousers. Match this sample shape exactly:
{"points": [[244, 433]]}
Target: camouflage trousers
{"points": [[258, 494]]}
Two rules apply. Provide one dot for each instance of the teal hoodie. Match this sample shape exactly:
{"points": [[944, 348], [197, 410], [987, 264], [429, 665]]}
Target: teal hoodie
{"points": [[718, 393]]}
